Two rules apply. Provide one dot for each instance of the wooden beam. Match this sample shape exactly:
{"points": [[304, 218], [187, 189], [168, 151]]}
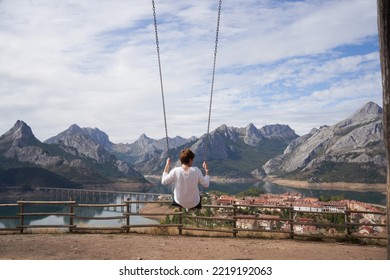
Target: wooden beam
{"points": [[383, 10]]}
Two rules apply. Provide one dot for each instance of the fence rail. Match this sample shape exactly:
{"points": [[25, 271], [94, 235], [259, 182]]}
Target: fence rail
{"points": [[229, 220]]}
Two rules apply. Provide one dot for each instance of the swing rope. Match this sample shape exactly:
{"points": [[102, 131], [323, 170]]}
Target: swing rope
{"points": [[161, 78], [212, 80]]}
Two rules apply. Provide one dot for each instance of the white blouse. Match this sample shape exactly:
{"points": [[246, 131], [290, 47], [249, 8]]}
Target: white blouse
{"points": [[186, 182]]}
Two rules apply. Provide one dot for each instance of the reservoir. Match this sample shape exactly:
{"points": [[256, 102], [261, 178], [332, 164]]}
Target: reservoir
{"points": [[84, 197]]}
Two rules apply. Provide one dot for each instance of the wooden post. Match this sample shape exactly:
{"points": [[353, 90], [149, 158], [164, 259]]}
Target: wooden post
{"points": [[128, 210], [347, 222], [384, 50], [235, 221], [137, 205], [21, 212], [181, 220], [291, 217], [71, 211]]}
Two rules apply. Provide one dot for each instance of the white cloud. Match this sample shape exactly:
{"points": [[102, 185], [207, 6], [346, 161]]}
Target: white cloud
{"points": [[94, 63]]}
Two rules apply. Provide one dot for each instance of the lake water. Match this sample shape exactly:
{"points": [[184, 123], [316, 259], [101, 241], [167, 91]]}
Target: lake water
{"points": [[84, 198], [118, 198]]}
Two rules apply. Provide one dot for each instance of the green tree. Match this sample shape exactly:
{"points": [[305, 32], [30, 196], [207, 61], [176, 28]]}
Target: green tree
{"points": [[208, 212], [167, 220], [253, 191]]}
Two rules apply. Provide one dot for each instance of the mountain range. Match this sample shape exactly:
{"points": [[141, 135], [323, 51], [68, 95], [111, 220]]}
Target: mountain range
{"points": [[351, 150], [61, 164]]}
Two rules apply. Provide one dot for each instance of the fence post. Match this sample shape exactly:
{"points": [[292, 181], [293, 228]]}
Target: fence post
{"points": [[128, 210], [71, 210], [235, 220], [21, 213], [348, 221], [181, 210], [137, 205], [291, 217]]}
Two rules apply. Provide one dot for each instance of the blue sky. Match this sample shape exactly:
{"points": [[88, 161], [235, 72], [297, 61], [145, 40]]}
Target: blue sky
{"points": [[94, 63]]}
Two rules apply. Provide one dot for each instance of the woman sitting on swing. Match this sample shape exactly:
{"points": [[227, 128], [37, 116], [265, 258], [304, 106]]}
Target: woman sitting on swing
{"points": [[186, 179]]}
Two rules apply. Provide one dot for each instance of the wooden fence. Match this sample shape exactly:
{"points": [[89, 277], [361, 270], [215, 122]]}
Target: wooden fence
{"points": [[220, 219]]}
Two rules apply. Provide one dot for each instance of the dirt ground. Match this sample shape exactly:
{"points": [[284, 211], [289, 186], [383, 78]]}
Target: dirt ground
{"points": [[135, 246]]}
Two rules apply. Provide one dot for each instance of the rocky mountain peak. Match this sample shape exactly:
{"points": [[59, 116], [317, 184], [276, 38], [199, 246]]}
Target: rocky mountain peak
{"points": [[74, 129], [222, 128], [19, 135], [224, 131], [81, 140], [277, 130], [252, 135], [368, 113], [370, 109], [20, 144], [21, 129], [144, 143], [68, 158], [143, 137], [98, 136], [251, 128], [177, 141], [356, 142], [144, 140]]}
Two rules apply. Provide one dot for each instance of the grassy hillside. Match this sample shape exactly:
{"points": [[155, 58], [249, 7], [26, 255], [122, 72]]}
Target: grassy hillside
{"points": [[33, 177], [246, 158], [343, 172]]}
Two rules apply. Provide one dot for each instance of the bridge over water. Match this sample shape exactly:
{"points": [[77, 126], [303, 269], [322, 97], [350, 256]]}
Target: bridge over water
{"points": [[95, 196]]}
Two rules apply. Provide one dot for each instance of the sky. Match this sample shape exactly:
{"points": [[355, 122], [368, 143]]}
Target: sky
{"points": [[94, 63]]}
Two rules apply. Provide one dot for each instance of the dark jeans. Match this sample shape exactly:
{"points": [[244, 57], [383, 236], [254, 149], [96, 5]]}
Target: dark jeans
{"points": [[199, 206]]}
